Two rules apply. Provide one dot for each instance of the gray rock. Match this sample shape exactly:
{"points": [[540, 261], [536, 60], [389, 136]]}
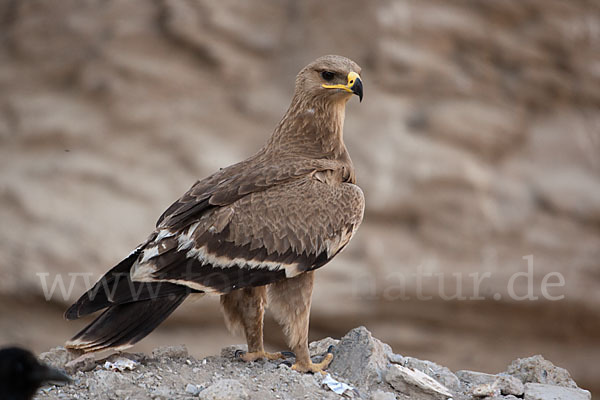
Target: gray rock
{"points": [[509, 397], [441, 374], [308, 380], [396, 358], [415, 385], [57, 357], [162, 393], [480, 384], [538, 391], [473, 378], [509, 385], [109, 381], [127, 394], [192, 389], [536, 369], [224, 389], [359, 358], [485, 390], [381, 395], [85, 362], [179, 351]]}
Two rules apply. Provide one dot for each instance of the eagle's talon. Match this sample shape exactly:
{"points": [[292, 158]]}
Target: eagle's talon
{"points": [[239, 353], [258, 355], [287, 363], [288, 354], [321, 357], [314, 367]]}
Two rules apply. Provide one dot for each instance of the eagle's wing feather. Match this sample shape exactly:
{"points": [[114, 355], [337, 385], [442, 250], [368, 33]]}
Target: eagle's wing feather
{"points": [[230, 184], [259, 238]]}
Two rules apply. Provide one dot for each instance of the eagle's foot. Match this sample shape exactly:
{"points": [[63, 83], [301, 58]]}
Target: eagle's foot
{"points": [[259, 355], [314, 367]]}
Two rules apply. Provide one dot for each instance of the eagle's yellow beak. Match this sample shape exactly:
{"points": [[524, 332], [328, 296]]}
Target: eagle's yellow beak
{"points": [[354, 85]]}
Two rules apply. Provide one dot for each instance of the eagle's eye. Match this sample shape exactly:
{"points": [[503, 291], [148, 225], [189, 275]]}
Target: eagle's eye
{"points": [[327, 75]]}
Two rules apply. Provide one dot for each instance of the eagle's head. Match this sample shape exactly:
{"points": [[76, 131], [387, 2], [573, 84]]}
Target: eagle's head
{"points": [[330, 78]]}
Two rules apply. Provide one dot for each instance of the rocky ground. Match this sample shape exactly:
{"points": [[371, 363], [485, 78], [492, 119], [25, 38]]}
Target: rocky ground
{"points": [[363, 368]]}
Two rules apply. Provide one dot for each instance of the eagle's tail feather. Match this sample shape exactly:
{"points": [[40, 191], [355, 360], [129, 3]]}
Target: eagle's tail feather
{"points": [[123, 325]]}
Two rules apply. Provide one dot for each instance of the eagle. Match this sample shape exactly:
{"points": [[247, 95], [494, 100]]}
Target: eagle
{"points": [[252, 233]]}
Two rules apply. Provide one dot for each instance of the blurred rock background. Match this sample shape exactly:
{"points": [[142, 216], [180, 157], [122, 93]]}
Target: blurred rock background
{"points": [[478, 144]]}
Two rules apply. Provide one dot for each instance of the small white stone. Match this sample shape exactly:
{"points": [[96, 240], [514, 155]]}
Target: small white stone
{"points": [[192, 389]]}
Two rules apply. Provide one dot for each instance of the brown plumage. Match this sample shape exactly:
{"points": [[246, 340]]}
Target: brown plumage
{"points": [[253, 232]]}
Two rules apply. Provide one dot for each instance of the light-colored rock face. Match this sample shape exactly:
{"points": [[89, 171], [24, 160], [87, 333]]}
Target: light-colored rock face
{"points": [[360, 357], [477, 144]]}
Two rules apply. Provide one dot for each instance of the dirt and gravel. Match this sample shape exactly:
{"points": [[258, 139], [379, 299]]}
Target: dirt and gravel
{"points": [[363, 368]]}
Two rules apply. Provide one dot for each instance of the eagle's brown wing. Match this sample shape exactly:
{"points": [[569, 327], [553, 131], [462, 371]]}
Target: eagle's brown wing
{"points": [[208, 198], [259, 238], [230, 184]]}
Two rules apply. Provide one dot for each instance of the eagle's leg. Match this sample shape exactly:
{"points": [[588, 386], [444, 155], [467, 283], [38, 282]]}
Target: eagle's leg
{"points": [[290, 301], [244, 311]]}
